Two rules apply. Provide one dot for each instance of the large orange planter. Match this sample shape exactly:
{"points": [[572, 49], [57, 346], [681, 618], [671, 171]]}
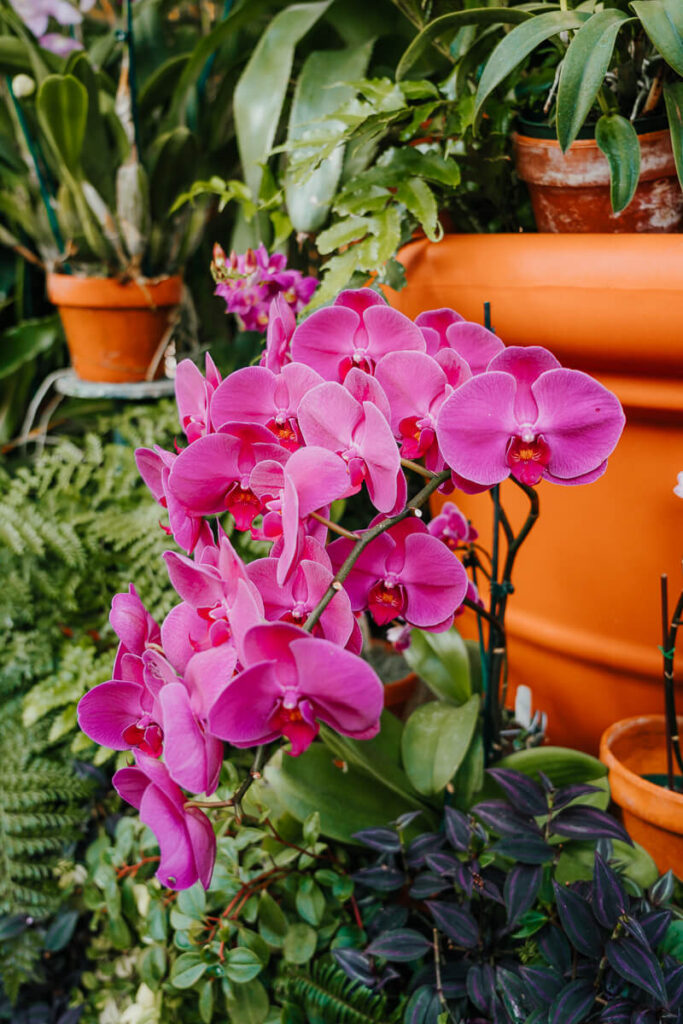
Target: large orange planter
{"points": [[584, 619], [114, 330], [653, 815]]}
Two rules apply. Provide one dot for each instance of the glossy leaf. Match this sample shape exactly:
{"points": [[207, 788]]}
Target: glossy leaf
{"points": [[457, 827], [62, 107], [519, 43], [260, 92], [514, 995], [574, 1003], [310, 902], [674, 987], [568, 794], [435, 741], [555, 948], [617, 139], [521, 889], [383, 839], [663, 22], [172, 165], [429, 883], [418, 1010], [673, 98], [248, 1003], [356, 964], [241, 965], [443, 863], [655, 926], [188, 969], [505, 820], [441, 661], [399, 945], [481, 983], [418, 199], [422, 846], [662, 890], [587, 823], [637, 964], [585, 64], [525, 795], [61, 930], [320, 90], [381, 878], [25, 341], [543, 983], [577, 921], [527, 849], [450, 23], [609, 898], [561, 765], [456, 922], [272, 923], [299, 945]]}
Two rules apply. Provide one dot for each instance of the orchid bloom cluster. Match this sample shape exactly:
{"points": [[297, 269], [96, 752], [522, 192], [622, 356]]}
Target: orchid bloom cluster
{"points": [[250, 281], [36, 15], [349, 399]]}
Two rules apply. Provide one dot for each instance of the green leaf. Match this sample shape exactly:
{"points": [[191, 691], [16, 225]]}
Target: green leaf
{"points": [[300, 943], [310, 902], [242, 965], [172, 164], [441, 660], [262, 87], [673, 940], [320, 90], [346, 799], [311, 828], [192, 902], [153, 966], [188, 969], [469, 777], [530, 923], [97, 157], [663, 22], [160, 84], [562, 765], [272, 923], [519, 43], [342, 233], [20, 344], [435, 742], [62, 106], [206, 1001], [418, 199], [248, 1004], [673, 97], [583, 71], [448, 23], [60, 931], [617, 139]]}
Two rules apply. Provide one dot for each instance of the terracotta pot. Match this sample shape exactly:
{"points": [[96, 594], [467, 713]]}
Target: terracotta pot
{"points": [[114, 330], [584, 619], [653, 815], [570, 192]]}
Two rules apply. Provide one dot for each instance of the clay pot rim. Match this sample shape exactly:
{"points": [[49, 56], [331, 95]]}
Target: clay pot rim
{"points": [[532, 142], [647, 790], [80, 290]]}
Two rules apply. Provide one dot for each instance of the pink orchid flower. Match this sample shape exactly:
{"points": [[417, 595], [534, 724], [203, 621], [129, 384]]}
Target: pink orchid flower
{"points": [[354, 332], [330, 417], [529, 417], [133, 625], [154, 466], [416, 387], [404, 573], [193, 394], [281, 327], [312, 478], [121, 714], [451, 527], [257, 395], [187, 843], [444, 329], [292, 680], [212, 474]]}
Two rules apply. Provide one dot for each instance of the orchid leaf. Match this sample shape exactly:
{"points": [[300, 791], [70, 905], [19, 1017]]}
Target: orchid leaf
{"points": [[62, 106], [673, 98], [20, 344], [663, 22], [442, 662], [435, 740], [617, 139]]}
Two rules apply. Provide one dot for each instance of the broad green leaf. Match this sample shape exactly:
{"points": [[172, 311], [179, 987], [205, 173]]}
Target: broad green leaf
{"points": [[435, 741], [663, 22], [272, 923], [262, 87], [449, 23], [97, 158], [206, 1001], [617, 139], [562, 765], [20, 344], [62, 106], [188, 969], [583, 71], [577, 861], [172, 165], [247, 1004], [673, 97], [347, 800], [242, 965], [60, 931], [159, 85], [519, 43], [300, 943], [192, 902], [469, 777], [418, 199], [441, 660], [343, 233], [152, 966], [320, 90], [310, 902]]}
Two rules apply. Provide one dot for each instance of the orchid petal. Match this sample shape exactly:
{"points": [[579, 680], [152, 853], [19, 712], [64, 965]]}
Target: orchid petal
{"points": [[474, 427]]}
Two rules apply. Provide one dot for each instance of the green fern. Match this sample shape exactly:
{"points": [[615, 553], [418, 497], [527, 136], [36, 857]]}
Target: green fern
{"points": [[327, 996]]}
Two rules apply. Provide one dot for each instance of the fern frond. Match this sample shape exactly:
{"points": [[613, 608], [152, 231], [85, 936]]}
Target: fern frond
{"points": [[328, 996]]}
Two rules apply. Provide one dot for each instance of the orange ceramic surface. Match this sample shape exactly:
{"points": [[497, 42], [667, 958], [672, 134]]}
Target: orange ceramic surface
{"points": [[113, 330], [653, 815], [584, 620], [570, 192]]}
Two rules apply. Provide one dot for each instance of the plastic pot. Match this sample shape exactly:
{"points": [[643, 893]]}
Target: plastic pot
{"points": [[652, 814], [114, 331]]}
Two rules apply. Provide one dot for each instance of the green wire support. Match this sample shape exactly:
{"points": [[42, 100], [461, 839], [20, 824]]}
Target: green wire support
{"points": [[132, 76], [44, 194]]}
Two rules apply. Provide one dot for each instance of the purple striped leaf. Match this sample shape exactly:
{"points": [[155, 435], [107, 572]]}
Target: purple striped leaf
{"points": [[406, 819], [388, 917], [567, 794], [356, 965], [381, 878], [588, 823], [463, 879], [514, 995], [555, 948], [573, 1004], [481, 986], [617, 1012], [443, 863], [674, 987], [637, 964], [420, 1005], [655, 925], [524, 794], [543, 983], [457, 923], [399, 945], [609, 898], [521, 888], [457, 829], [428, 842], [528, 849], [662, 890], [577, 921], [505, 820], [383, 839], [428, 884]]}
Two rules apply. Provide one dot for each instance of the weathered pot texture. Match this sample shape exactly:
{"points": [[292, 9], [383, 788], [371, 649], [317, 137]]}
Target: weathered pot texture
{"points": [[583, 623], [652, 814], [115, 331], [570, 192]]}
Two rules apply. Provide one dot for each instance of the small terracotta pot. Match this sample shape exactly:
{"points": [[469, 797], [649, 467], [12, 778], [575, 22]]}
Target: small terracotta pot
{"points": [[570, 191], [652, 814], [114, 330]]}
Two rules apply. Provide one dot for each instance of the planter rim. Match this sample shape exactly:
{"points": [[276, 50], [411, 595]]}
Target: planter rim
{"points": [[540, 130], [108, 292], [522, 139], [665, 800]]}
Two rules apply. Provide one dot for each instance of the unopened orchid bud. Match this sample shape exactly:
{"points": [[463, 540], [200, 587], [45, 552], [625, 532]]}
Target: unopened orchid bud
{"points": [[23, 86]]}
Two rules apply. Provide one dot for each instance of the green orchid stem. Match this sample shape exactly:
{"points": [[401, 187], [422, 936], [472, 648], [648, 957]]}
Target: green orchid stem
{"points": [[668, 648], [132, 76]]}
